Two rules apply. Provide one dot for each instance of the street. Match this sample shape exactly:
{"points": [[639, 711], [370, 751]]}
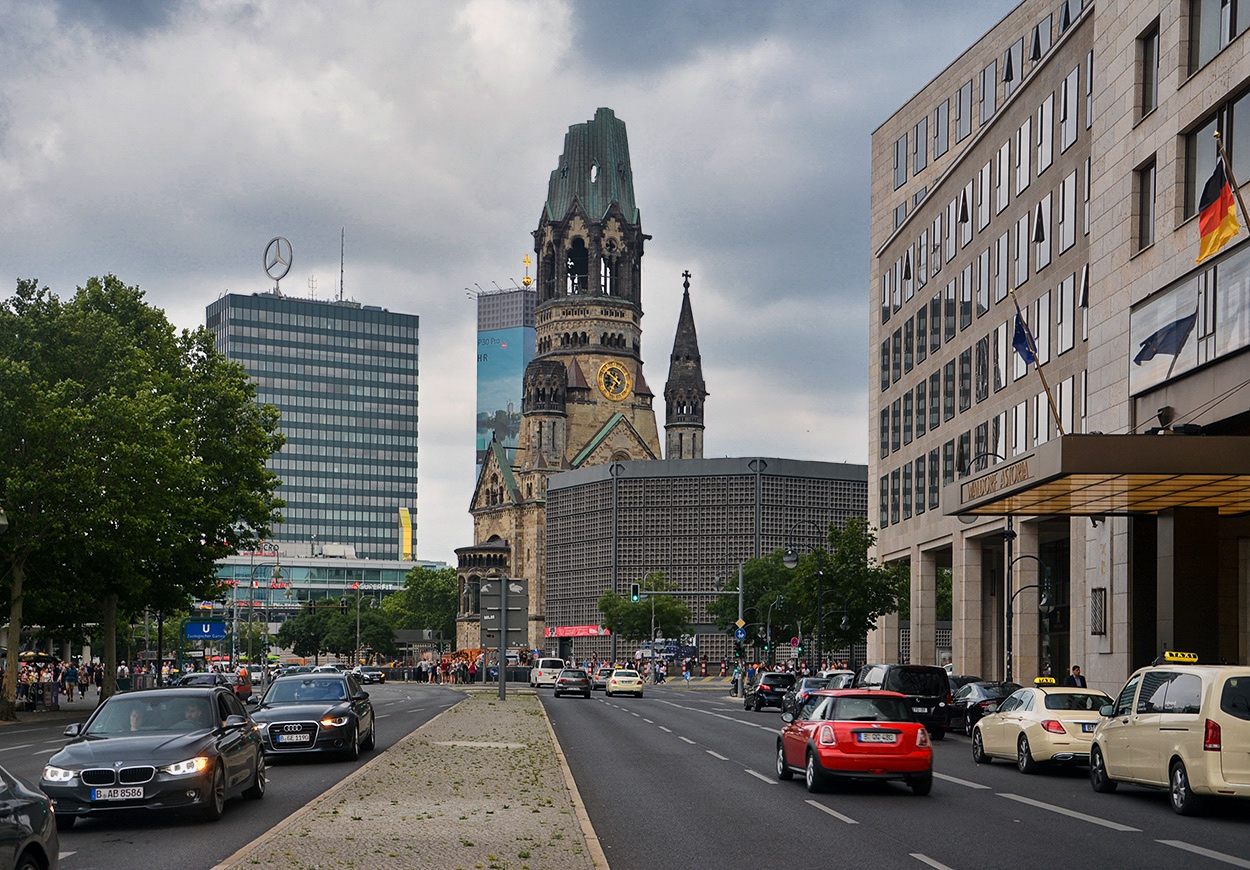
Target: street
{"points": [[682, 775], [126, 841]]}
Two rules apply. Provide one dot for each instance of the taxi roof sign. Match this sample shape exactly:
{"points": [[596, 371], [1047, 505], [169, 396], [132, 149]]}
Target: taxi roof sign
{"points": [[1044, 681], [1178, 656]]}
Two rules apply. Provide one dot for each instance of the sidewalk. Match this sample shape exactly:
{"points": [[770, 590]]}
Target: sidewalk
{"points": [[483, 784]]}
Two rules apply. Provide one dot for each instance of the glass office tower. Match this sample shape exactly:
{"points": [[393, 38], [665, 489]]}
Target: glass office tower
{"points": [[344, 377]]}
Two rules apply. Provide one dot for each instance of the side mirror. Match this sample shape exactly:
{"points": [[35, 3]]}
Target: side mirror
{"points": [[1106, 710], [235, 721], [253, 699], [787, 717], [362, 696], [72, 730]]}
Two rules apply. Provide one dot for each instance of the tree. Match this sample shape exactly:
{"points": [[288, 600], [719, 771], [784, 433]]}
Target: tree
{"points": [[131, 459], [428, 600], [669, 615], [304, 634]]}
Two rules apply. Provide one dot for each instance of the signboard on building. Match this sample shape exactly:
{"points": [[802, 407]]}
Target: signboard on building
{"points": [[502, 355]]}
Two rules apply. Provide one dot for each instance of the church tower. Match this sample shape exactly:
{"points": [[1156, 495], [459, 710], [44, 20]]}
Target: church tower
{"points": [[685, 391]]}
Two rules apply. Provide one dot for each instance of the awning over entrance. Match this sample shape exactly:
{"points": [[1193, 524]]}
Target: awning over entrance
{"points": [[1097, 475]]}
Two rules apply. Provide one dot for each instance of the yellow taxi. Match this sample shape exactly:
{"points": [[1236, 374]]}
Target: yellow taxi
{"points": [[1178, 725], [624, 682], [1039, 724]]}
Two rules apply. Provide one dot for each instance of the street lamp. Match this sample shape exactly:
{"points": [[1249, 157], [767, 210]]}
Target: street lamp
{"points": [[769, 636], [791, 561], [1045, 604]]}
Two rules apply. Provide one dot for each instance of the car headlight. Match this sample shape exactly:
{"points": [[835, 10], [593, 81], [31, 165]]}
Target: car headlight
{"points": [[57, 774], [191, 765], [334, 721]]}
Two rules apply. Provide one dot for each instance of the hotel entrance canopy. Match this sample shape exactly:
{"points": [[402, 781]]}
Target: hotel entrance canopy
{"points": [[1100, 475]]}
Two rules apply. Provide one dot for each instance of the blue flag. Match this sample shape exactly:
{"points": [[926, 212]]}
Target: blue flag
{"points": [[1166, 341], [1023, 342]]}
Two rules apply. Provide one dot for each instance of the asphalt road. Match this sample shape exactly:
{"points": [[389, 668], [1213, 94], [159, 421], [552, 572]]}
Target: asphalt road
{"points": [[150, 840], [686, 778]]}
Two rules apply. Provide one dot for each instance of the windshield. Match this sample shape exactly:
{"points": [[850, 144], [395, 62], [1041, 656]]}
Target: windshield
{"points": [[310, 689], [1075, 701], [917, 681], [870, 709], [163, 714], [782, 681]]}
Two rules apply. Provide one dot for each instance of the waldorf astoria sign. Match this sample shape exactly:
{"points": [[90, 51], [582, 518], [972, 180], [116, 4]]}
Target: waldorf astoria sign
{"points": [[1009, 475]]}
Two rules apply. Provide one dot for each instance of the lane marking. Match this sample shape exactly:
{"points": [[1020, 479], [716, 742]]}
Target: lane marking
{"points": [[648, 721], [687, 739], [58, 740], [1206, 853], [667, 730], [1072, 814], [925, 859], [63, 855], [418, 710], [767, 779], [47, 751], [717, 755], [382, 715], [19, 746], [837, 815], [958, 781]]}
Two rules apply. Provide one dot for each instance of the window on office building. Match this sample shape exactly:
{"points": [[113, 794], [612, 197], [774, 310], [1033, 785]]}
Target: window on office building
{"points": [[1089, 90], [964, 449], [1024, 155], [1067, 212], [948, 391], [966, 213], [922, 260], [887, 279], [896, 356], [941, 128], [1065, 314], [963, 112], [950, 301], [908, 415], [1070, 99], [934, 485], [983, 282], [900, 162], [1022, 249], [1145, 183], [981, 445], [948, 462], [1013, 68], [998, 436], [935, 407], [896, 431], [1148, 60], [1002, 181], [935, 245], [920, 146], [1063, 398], [935, 323], [1085, 197], [1212, 25], [1019, 429], [894, 495], [900, 214], [922, 334], [883, 499], [1040, 44], [1000, 345], [1041, 232], [982, 369], [985, 191], [884, 438], [989, 92], [907, 491], [1041, 419], [1041, 328], [921, 409], [1001, 262], [1019, 369], [965, 380], [965, 297], [1045, 133], [920, 484], [885, 365], [952, 236]]}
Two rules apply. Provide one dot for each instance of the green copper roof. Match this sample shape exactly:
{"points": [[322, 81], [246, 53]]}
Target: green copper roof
{"points": [[505, 471], [594, 169]]}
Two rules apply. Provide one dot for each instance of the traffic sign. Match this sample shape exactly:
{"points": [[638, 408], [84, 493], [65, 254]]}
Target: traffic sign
{"points": [[206, 630], [740, 634], [794, 641], [740, 623]]}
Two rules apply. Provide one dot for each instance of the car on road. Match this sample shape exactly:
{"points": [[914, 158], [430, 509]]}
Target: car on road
{"points": [[855, 734], [838, 679], [624, 681], [796, 696], [28, 832], [768, 689], [334, 668], [1039, 724], [204, 678], [179, 748], [974, 700], [316, 713], [545, 671], [1179, 725], [927, 688], [368, 675], [600, 679], [573, 681]]}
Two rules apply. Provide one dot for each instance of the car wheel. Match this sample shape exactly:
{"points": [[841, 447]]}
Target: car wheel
{"points": [[1184, 801], [215, 804], [640, 694], [1098, 777], [587, 695], [938, 733], [1024, 757], [978, 747], [921, 783], [967, 726], [811, 774], [353, 748], [783, 770], [758, 704], [746, 705], [257, 790], [64, 823], [372, 739], [28, 862]]}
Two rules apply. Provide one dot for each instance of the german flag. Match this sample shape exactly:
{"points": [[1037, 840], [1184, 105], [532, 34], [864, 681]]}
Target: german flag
{"points": [[1217, 213]]}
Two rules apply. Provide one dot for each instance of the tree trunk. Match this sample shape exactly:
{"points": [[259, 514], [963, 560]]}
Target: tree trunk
{"points": [[109, 618], [8, 698]]}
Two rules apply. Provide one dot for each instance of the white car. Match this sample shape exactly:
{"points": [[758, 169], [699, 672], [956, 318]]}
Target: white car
{"points": [[545, 671]]}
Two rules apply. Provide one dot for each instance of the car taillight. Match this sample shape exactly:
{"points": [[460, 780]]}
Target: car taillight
{"points": [[949, 699], [1211, 737], [985, 704], [922, 737], [1054, 726], [826, 736]]}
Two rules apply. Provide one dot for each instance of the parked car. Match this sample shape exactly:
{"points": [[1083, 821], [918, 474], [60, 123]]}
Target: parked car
{"points": [[973, 700], [573, 681], [600, 679], [958, 681], [838, 679], [624, 681], [798, 694], [545, 671], [855, 734], [27, 826], [768, 689], [175, 748], [316, 713], [1039, 724], [927, 688], [1177, 725]]}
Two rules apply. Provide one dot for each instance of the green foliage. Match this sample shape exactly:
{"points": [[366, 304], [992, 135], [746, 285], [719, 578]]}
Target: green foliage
{"points": [[634, 620], [428, 600]]}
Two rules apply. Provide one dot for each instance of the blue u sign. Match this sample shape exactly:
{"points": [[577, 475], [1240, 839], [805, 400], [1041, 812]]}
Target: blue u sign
{"points": [[206, 630]]}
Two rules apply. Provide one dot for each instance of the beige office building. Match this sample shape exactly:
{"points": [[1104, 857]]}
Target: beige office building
{"points": [[1057, 165]]}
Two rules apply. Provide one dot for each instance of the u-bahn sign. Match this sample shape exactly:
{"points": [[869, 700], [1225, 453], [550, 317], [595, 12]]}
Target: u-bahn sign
{"points": [[206, 630]]}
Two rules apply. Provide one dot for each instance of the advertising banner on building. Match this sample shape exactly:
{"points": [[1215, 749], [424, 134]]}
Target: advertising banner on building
{"points": [[502, 355]]}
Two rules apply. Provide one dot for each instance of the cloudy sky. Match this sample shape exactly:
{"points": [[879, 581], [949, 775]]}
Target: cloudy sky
{"points": [[167, 142]]}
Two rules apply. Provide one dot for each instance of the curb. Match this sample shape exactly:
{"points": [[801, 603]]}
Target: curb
{"points": [[583, 818]]}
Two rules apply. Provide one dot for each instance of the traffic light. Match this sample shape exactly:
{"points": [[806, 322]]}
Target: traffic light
{"points": [[343, 604], [737, 650], [634, 592]]}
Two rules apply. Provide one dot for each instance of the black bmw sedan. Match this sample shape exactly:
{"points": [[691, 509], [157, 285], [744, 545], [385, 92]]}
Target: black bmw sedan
{"points": [[175, 748], [313, 713]]}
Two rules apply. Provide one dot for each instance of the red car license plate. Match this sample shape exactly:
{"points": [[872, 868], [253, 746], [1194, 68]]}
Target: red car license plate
{"points": [[877, 737]]}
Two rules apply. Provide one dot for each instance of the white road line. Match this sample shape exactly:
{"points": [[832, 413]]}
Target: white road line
{"points": [[1206, 853], [648, 721], [381, 715], [1072, 814], [47, 751], [767, 779], [837, 815], [667, 730], [635, 715], [925, 859], [63, 855], [958, 781], [19, 746], [57, 740], [418, 710], [687, 739], [717, 755]]}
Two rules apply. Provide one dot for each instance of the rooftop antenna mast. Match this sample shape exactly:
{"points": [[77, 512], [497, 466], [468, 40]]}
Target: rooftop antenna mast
{"points": [[342, 242]]}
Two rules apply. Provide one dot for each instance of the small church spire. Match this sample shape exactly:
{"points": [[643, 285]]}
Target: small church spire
{"points": [[685, 390]]}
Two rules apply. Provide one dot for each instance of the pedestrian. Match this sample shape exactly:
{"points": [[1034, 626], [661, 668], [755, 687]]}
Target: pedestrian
{"points": [[71, 682], [1075, 679], [737, 680]]}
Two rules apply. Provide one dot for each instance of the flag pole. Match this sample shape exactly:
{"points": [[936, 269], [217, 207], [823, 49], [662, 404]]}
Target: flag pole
{"points": [[1037, 361], [1232, 182]]}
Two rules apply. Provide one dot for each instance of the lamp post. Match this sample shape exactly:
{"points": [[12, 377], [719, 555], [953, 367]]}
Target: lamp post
{"points": [[769, 635], [275, 573], [1044, 604], [791, 561]]}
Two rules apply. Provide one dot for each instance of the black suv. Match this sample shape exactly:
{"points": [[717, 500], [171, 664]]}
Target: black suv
{"points": [[927, 688], [767, 690]]}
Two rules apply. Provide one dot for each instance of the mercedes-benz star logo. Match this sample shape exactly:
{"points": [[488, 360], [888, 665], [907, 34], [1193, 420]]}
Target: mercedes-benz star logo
{"points": [[278, 258]]}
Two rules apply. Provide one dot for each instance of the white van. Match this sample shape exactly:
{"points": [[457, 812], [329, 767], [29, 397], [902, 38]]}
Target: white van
{"points": [[545, 671]]}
